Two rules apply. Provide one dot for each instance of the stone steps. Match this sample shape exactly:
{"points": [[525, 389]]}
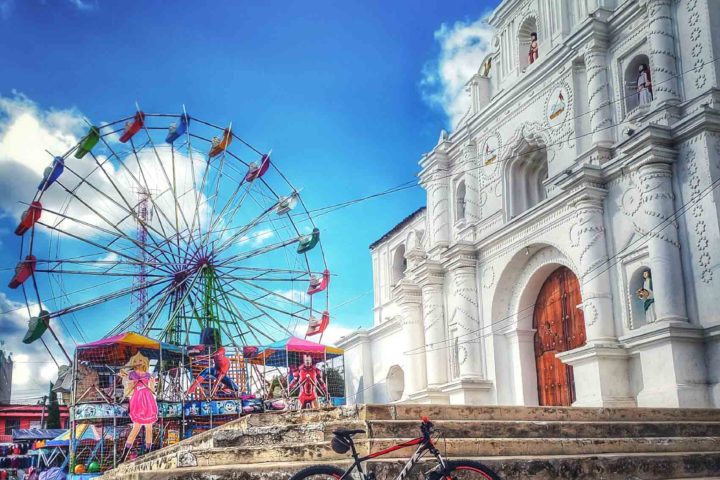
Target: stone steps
{"points": [[544, 429], [645, 466], [566, 414], [525, 442], [454, 448]]}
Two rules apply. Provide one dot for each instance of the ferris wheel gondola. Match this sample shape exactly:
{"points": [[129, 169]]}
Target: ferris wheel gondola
{"points": [[190, 234]]}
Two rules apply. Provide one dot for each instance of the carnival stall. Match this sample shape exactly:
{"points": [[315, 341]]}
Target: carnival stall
{"points": [[121, 386], [296, 373]]}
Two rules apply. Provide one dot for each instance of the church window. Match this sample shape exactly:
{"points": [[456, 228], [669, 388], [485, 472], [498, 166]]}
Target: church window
{"points": [[638, 83], [399, 264], [528, 43], [460, 202], [526, 174]]}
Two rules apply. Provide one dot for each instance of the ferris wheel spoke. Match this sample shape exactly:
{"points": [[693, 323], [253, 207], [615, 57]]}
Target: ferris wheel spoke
{"points": [[104, 298], [90, 242], [302, 306], [268, 271], [257, 252], [234, 292], [147, 190], [174, 312], [129, 172], [133, 317], [128, 209], [221, 322], [239, 295], [225, 243], [221, 216], [229, 307], [171, 185], [237, 235], [118, 235]]}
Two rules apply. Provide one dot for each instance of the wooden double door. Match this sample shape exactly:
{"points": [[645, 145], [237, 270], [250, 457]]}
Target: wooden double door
{"points": [[560, 326]]}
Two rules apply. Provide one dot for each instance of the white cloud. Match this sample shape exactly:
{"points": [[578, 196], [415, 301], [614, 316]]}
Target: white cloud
{"points": [[295, 295], [33, 369], [463, 46], [332, 334], [83, 5], [28, 133]]}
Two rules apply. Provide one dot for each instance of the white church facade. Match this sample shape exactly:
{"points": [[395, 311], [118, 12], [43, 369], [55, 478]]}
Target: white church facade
{"points": [[569, 252]]}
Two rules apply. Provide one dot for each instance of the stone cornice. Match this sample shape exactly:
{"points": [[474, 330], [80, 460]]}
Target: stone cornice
{"points": [[588, 176], [459, 255], [429, 273], [407, 292], [592, 35], [661, 331]]}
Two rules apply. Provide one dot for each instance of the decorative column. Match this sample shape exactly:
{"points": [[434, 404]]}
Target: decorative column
{"points": [[588, 237], [410, 301], [465, 316], [435, 180], [661, 42], [600, 367], [470, 166], [430, 277], [598, 95], [658, 225]]}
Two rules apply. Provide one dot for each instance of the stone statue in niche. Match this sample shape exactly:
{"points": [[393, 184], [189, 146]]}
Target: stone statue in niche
{"points": [[486, 67], [645, 293], [644, 85], [534, 49]]}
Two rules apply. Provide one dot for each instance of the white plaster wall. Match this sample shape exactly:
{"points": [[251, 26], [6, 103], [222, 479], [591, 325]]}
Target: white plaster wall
{"points": [[516, 121]]}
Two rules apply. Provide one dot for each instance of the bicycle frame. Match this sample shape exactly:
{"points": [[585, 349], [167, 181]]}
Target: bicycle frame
{"points": [[424, 444]]}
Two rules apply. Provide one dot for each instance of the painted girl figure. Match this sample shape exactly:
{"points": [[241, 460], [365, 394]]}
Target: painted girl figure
{"points": [[140, 388], [644, 85], [534, 48]]}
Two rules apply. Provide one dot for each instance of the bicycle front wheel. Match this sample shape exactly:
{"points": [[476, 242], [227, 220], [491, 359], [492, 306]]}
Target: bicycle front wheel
{"points": [[319, 472], [467, 470]]}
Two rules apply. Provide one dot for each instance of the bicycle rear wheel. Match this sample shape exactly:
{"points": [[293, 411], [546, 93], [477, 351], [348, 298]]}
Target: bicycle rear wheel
{"points": [[467, 470], [319, 472]]}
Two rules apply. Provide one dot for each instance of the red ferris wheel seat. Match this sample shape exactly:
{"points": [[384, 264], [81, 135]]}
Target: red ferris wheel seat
{"points": [[23, 271], [29, 217], [318, 284], [131, 128], [317, 326]]}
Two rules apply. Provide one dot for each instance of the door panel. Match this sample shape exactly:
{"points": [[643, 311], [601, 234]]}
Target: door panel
{"points": [[560, 327]]}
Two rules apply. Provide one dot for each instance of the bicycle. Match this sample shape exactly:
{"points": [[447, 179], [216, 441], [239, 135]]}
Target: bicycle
{"points": [[342, 442]]}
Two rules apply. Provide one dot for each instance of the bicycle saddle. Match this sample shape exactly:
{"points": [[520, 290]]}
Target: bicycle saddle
{"points": [[347, 433]]}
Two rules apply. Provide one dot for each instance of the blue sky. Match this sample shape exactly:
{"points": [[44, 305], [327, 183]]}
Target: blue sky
{"points": [[347, 94]]}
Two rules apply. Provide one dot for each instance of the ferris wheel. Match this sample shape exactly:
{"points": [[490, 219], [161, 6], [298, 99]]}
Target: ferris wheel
{"points": [[175, 228]]}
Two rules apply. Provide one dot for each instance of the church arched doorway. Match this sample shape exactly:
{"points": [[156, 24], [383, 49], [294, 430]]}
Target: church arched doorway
{"points": [[560, 326]]}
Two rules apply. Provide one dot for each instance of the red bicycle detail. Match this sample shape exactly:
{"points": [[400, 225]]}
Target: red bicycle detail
{"points": [[342, 442]]}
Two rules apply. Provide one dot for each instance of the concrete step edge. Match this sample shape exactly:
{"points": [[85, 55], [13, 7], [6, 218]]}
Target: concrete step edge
{"points": [[291, 464]]}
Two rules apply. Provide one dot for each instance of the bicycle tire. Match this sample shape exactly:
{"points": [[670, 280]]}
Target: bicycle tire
{"points": [[329, 470], [485, 472]]}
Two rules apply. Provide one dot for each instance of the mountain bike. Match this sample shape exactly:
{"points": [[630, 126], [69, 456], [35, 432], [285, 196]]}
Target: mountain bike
{"points": [[342, 442]]}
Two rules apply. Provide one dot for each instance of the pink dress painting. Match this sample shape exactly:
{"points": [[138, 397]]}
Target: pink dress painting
{"points": [[143, 407]]}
